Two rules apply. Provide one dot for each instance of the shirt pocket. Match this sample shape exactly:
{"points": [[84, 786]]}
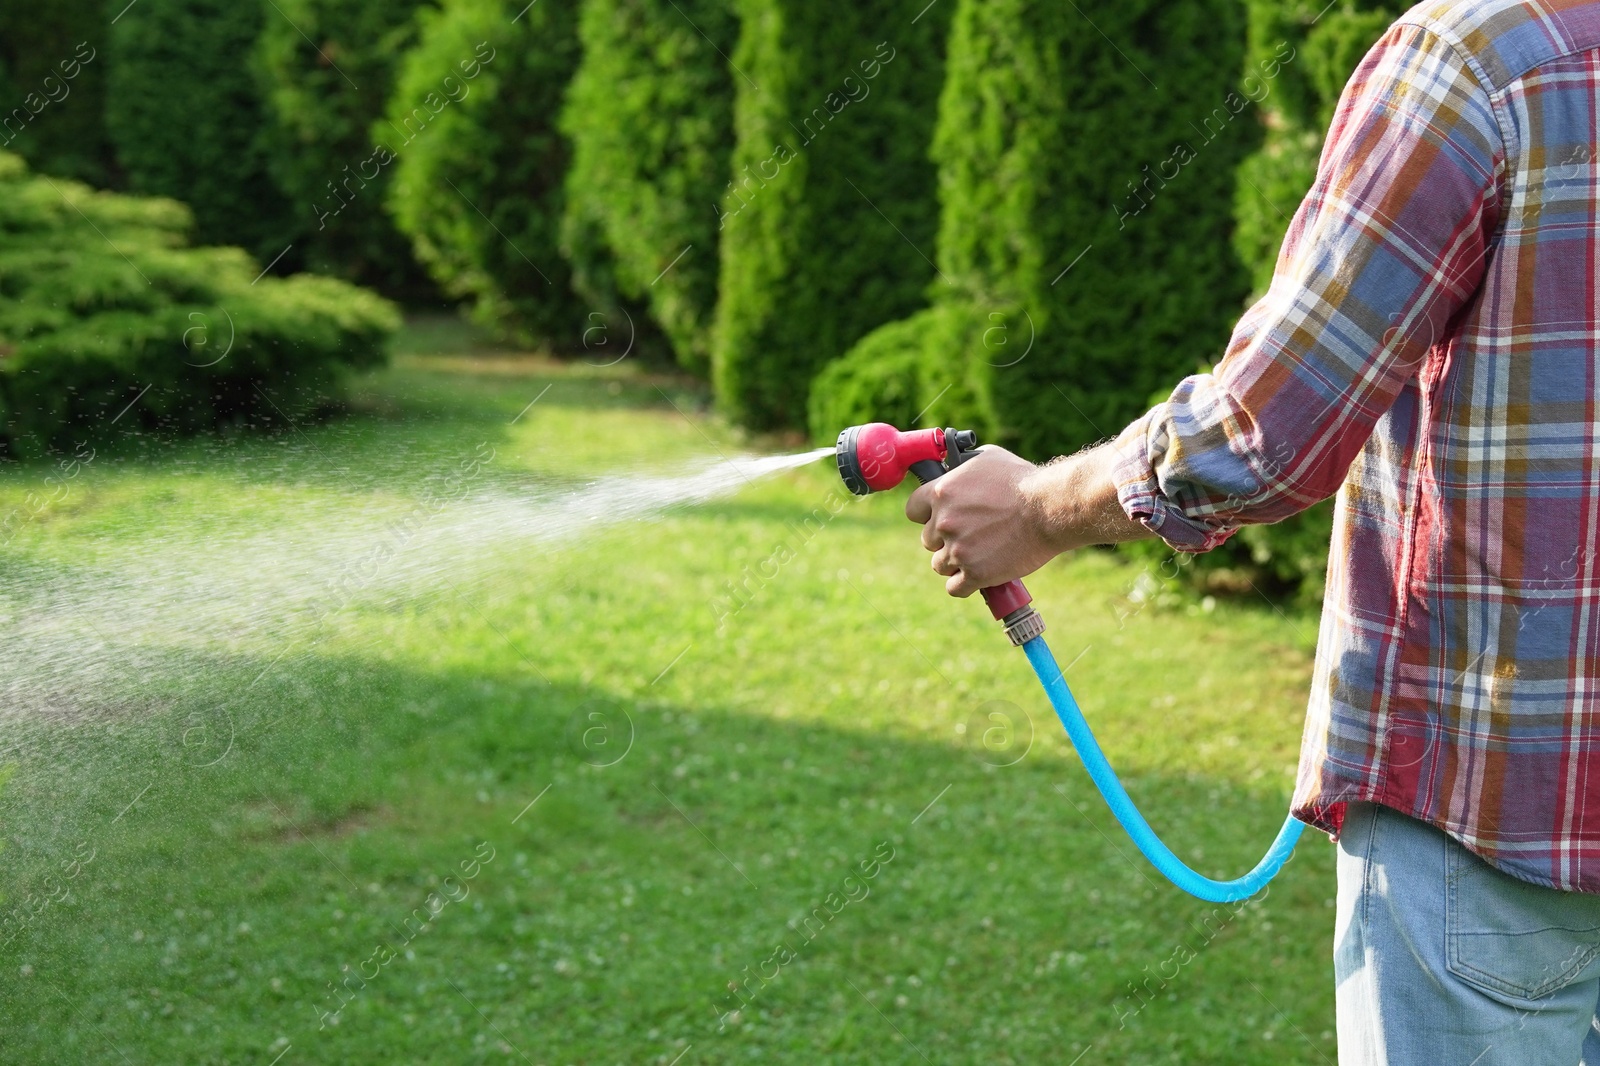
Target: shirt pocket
{"points": [[1508, 937]]}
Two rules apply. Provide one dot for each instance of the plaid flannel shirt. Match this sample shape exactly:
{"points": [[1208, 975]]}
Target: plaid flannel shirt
{"points": [[1429, 350]]}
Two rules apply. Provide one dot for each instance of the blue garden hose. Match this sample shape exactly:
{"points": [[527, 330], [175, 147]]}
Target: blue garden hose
{"points": [[876, 457], [1116, 797]]}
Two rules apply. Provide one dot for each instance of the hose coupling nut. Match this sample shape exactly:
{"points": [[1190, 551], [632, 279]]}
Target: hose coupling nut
{"points": [[1023, 624]]}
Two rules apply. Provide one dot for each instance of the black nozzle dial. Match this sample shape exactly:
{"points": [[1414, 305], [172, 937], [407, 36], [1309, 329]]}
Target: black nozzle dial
{"points": [[850, 463]]}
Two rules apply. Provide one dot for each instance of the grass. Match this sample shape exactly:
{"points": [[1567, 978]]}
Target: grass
{"points": [[651, 791]]}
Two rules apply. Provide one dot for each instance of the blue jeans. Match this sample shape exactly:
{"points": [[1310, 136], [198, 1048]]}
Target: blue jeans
{"points": [[1444, 960]]}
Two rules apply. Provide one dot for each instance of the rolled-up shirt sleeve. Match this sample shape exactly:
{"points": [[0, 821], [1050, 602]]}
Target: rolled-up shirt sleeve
{"points": [[1387, 247]]}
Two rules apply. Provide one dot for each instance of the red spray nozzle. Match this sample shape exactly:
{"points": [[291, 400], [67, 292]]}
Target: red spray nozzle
{"points": [[876, 456]]}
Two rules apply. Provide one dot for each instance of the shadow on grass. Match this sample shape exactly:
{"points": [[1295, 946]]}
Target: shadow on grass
{"points": [[259, 829]]}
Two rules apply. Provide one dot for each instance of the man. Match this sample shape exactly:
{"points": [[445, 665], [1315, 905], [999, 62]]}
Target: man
{"points": [[1430, 350]]}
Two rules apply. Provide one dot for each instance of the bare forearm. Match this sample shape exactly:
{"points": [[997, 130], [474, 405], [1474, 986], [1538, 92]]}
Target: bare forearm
{"points": [[997, 517], [1073, 501]]}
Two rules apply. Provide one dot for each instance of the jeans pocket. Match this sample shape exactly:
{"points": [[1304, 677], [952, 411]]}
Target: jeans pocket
{"points": [[1508, 937]]}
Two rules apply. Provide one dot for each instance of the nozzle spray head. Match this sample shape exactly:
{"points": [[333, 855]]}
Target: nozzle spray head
{"points": [[876, 456]]}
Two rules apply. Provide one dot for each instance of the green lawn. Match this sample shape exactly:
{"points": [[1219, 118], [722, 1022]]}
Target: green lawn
{"points": [[265, 699]]}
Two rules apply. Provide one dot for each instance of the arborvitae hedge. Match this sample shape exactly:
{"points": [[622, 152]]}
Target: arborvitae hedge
{"points": [[1086, 212], [101, 304], [185, 112], [832, 208], [52, 87], [1324, 52], [481, 165], [650, 115], [329, 68], [1088, 192]]}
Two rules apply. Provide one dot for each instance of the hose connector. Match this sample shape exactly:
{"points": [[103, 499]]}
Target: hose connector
{"points": [[1012, 606], [1023, 625]]}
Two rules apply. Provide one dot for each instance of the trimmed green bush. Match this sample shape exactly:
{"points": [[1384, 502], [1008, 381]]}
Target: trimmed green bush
{"points": [[103, 308], [920, 370], [828, 225], [650, 116], [52, 87], [184, 110], [329, 68], [1272, 182], [481, 164]]}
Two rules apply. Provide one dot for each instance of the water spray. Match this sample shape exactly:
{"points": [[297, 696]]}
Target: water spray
{"points": [[876, 457]]}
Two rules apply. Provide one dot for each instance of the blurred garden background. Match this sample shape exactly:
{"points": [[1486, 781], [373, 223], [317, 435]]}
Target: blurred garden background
{"points": [[379, 681]]}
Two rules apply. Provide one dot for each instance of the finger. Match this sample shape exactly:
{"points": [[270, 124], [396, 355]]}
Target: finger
{"points": [[931, 538], [943, 565], [919, 508], [960, 585]]}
